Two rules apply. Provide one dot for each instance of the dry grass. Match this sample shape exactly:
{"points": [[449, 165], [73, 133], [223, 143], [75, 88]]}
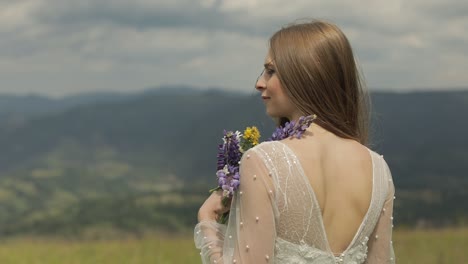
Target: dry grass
{"points": [[128, 251], [445, 246], [424, 246]]}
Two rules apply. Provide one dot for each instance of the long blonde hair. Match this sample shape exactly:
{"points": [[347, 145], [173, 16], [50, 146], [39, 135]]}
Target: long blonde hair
{"points": [[316, 67]]}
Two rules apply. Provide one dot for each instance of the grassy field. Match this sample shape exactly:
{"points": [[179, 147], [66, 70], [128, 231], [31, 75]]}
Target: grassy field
{"points": [[430, 246]]}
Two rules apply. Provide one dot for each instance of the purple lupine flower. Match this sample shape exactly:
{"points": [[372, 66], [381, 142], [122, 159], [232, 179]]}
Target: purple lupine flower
{"points": [[293, 129], [221, 158], [229, 156]]}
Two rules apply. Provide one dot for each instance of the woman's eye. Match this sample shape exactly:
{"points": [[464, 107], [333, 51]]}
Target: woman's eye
{"points": [[270, 71]]}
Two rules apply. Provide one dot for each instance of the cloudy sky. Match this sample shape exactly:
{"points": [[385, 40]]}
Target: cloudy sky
{"points": [[60, 47]]}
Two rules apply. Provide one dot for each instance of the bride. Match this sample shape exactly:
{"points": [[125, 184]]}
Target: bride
{"points": [[322, 198]]}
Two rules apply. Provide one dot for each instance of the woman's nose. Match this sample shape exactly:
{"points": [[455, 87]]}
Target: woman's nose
{"points": [[260, 83]]}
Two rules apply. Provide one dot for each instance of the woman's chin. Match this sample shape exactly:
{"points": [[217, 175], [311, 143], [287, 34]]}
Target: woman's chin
{"points": [[269, 113], [272, 114]]}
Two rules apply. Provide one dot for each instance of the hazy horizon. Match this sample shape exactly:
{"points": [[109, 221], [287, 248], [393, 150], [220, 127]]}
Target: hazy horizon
{"points": [[202, 89]]}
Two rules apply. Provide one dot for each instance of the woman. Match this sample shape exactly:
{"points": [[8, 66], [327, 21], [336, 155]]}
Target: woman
{"points": [[322, 198]]}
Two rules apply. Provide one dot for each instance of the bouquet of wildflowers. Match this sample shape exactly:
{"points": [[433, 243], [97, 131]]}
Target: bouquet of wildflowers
{"points": [[235, 144], [229, 156]]}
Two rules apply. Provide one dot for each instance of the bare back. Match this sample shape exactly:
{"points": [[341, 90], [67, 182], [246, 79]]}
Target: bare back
{"points": [[340, 173]]}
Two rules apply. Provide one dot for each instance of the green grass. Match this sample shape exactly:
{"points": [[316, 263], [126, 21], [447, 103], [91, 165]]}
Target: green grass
{"points": [[126, 251], [428, 246], [431, 246]]}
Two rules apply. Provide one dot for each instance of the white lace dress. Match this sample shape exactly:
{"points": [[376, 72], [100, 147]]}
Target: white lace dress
{"points": [[275, 216]]}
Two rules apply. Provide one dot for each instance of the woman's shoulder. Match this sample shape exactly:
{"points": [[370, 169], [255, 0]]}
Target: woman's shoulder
{"points": [[266, 146], [268, 150], [327, 144]]}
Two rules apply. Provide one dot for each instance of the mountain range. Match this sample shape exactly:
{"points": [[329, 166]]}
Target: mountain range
{"points": [[136, 162]]}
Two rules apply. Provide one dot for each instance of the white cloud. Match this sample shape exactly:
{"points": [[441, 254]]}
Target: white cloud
{"points": [[64, 46], [17, 13]]}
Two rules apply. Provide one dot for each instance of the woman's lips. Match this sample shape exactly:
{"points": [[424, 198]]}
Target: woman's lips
{"points": [[265, 97]]}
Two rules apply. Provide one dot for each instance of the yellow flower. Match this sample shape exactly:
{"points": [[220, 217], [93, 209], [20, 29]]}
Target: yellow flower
{"points": [[252, 135]]}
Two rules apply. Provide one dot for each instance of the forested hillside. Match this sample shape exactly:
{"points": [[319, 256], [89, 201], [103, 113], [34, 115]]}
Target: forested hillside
{"points": [[144, 161]]}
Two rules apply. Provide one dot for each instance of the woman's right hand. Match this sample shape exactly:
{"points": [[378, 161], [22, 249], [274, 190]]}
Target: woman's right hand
{"points": [[213, 208]]}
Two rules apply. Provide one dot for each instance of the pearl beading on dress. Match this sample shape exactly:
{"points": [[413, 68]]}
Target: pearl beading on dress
{"points": [[342, 258]]}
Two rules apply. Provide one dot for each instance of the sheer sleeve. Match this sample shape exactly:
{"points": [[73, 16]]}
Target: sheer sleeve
{"points": [[249, 236], [381, 245]]}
